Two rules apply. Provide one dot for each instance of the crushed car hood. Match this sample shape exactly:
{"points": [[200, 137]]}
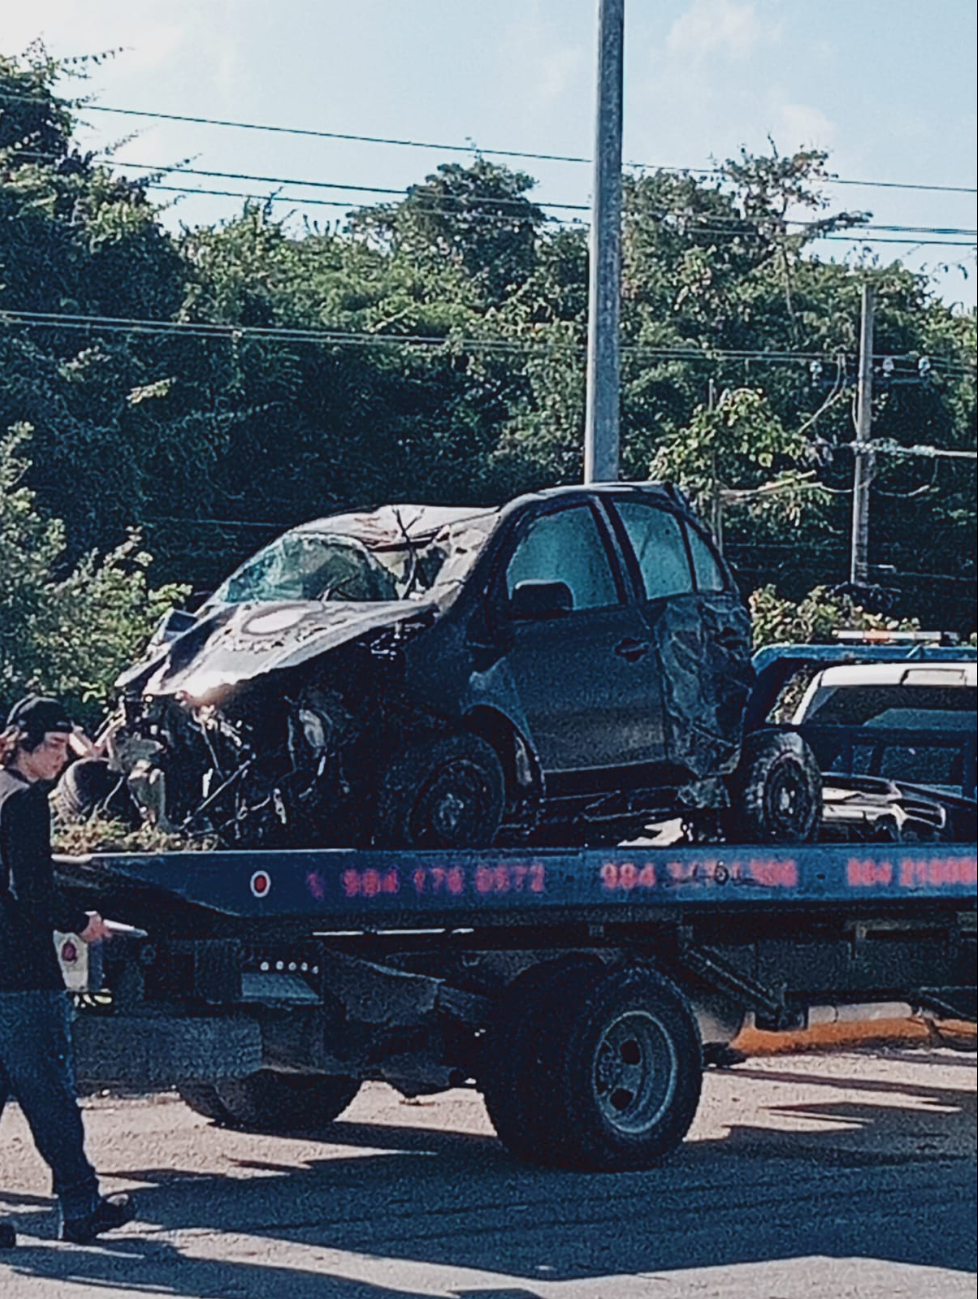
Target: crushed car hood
{"points": [[237, 643]]}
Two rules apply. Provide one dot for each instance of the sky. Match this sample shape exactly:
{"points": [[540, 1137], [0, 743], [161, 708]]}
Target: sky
{"points": [[887, 86]]}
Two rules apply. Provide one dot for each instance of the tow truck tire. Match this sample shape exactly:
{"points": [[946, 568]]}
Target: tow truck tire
{"points": [[625, 1070], [445, 791], [604, 1071], [511, 1063], [203, 1099], [268, 1101], [776, 791]]}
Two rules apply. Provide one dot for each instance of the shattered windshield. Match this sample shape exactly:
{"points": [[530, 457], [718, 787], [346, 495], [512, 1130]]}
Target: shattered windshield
{"points": [[313, 565]]}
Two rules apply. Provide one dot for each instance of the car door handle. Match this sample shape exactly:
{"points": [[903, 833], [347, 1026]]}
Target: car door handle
{"points": [[632, 650]]}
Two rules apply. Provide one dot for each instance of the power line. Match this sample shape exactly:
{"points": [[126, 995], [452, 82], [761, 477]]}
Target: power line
{"points": [[570, 222], [470, 147], [704, 221], [363, 338]]}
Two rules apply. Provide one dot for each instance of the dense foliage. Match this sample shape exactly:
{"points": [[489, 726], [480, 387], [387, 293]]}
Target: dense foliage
{"points": [[434, 350]]}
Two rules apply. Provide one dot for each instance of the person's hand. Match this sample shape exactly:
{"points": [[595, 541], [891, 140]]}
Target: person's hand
{"points": [[96, 929], [83, 747]]}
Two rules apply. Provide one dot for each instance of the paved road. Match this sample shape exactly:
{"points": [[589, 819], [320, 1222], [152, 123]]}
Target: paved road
{"points": [[851, 1175]]}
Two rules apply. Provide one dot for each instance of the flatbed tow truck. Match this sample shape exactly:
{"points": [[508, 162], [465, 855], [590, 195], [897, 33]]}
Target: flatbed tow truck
{"points": [[581, 990], [576, 989]]}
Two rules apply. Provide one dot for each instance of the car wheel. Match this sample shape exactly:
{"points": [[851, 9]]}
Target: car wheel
{"points": [[267, 1101], [776, 791], [446, 791], [89, 786]]}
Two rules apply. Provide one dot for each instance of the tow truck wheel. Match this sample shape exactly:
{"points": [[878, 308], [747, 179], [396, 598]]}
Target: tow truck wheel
{"points": [[446, 791], [606, 1070], [776, 791], [272, 1102], [511, 1063]]}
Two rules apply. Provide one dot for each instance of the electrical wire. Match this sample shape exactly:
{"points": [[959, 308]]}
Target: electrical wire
{"points": [[407, 143], [211, 329], [452, 202]]}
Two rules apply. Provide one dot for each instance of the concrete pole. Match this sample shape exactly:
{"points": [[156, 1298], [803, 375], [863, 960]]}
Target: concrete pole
{"points": [[863, 469], [601, 431]]}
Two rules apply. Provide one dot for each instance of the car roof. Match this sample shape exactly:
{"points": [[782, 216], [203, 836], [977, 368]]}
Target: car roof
{"points": [[389, 525], [946, 674]]}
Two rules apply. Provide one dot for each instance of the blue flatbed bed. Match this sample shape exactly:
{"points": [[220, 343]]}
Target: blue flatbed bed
{"points": [[309, 889]]}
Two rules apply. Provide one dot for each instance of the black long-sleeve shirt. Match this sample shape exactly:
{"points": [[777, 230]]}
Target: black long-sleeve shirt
{"points": [[31, 908]]}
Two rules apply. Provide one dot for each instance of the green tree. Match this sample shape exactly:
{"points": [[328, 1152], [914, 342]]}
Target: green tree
{"points": [[67, 631]]}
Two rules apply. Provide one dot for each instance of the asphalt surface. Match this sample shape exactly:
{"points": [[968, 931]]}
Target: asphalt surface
{"points": [[844, 1175]]}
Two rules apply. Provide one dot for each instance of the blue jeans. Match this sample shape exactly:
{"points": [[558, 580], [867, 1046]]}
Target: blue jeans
{"points": [[36, 1067]]}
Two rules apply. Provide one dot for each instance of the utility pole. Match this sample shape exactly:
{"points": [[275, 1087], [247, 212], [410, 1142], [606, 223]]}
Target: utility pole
{"points": [[864, 459], [601, 431]]}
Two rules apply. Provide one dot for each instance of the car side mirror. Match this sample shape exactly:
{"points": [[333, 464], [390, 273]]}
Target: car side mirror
{"points": [[536, 601]]}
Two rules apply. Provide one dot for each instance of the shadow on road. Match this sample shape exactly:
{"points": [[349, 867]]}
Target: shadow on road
{"points": [[874, 1188]]}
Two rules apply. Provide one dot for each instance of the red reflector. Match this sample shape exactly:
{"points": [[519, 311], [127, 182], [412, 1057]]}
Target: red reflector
{"points": [[260, 883]]}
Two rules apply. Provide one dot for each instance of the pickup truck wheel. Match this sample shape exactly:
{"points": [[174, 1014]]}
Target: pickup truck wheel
{"points": [[622, 1065], [514, 1097], [273, 1102], [776, 791], [445, 791]]}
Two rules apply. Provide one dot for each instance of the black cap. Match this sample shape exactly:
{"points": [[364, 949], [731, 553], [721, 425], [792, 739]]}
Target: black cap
{"points": [[35, 716]]}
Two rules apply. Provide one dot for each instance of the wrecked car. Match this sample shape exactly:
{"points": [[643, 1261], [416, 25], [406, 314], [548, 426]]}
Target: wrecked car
{"points": [[558, 669]]}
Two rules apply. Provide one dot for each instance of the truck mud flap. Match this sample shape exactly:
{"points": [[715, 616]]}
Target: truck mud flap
{"points": [[144, 1053]]}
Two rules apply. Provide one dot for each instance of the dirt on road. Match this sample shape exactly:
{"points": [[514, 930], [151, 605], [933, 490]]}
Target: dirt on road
{"points": [[836, 1175]]}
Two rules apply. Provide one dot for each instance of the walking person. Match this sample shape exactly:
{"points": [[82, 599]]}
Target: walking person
{"points": [[36, 1060]]}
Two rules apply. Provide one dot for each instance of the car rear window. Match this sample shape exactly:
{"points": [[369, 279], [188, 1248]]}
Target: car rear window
{"points": [[919, 706], [660, 551], [709, 574]]}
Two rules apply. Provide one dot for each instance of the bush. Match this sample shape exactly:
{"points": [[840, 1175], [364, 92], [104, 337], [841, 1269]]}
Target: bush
{"points": [[66, 631]]}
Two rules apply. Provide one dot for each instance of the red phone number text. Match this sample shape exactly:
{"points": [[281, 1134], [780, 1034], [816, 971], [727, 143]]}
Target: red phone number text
{"points": [[770, 872], [911, 872], [446, 881]]}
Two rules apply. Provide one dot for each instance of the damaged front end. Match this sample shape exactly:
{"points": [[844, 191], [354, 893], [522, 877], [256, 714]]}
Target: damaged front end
{"points": [[266, 720]]}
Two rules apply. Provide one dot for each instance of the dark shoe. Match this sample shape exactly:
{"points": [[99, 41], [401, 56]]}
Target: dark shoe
{"points": [[113, 1211], [8, 1237]]}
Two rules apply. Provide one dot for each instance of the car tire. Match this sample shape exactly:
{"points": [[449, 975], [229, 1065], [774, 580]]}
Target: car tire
{"points": [[776, 791], [445, 791], [89, 786], [607, 1074], [268, 1101]]}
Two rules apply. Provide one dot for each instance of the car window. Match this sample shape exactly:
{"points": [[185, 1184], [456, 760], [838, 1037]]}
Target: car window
{"points": [[566, 547], [879, 705], [657, 541], [709, 574]]}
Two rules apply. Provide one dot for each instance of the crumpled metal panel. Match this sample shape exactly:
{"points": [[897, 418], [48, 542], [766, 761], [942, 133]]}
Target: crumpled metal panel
{"points": [[254, 640], [703, 648]]}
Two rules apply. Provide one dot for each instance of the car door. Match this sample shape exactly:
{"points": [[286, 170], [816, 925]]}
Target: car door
{"points": [[580, 678], [699, 633]]}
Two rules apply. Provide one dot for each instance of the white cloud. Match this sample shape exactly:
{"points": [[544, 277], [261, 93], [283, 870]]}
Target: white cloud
{"points": [[803, 126], [149, 32], [724, 27], [557, 72], [548, 68]]}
